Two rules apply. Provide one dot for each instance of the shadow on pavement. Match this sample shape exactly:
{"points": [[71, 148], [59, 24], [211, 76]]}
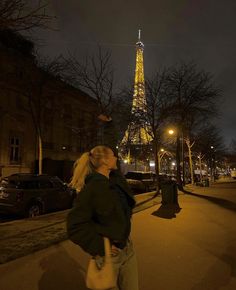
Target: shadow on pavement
{"points": [[227, 204], [167, 211], [214, 277], [61, 272]]}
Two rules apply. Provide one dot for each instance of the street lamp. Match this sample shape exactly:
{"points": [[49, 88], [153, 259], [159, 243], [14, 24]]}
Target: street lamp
{"points": [[179, 179], [212, 163]]}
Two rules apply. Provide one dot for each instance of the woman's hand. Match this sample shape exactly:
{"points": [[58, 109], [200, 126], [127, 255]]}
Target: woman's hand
{"points": [[114, 251], [99, 261]]}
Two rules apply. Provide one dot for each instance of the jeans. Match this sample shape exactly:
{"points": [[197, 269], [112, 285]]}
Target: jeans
{"points": [[125, 265]]}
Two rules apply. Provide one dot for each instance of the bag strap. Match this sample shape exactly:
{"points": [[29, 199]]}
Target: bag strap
{"points": [[107, 248]]}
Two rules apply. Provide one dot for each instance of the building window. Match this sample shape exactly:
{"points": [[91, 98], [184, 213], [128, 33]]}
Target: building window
{"points": [[14, 150]]}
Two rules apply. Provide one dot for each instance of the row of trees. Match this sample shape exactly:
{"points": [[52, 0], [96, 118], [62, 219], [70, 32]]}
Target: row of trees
{"points": [[182, 97], [185, 98]]}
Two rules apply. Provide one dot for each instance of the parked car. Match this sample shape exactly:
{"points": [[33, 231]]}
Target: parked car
{"points": [[233, 174], [140, 181], [32, 195]]}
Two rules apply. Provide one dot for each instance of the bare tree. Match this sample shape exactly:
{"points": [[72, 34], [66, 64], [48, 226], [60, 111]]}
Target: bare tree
{"points": [[192, 94], [232, 147], [18, 15], [96, 77], [210, 143], [121, 109], [154, 117]]}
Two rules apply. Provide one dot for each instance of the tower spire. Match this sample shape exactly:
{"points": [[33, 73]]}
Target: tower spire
{"points": [[139, 34]]}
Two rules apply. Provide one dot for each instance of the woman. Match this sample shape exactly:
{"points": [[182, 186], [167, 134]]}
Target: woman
{"points": [[103, 209]]}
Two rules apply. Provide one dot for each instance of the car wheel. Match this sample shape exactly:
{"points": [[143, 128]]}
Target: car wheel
{"points": [[34, 210]]}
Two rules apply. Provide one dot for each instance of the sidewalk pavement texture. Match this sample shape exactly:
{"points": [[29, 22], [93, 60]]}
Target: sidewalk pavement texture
{"points": [[195, 250], [22, 237]]}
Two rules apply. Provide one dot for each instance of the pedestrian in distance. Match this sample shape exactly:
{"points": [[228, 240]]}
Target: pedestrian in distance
{"points": [[103, 208]]}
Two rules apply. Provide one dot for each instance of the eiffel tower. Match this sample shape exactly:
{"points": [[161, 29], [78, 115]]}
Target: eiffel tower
{"points": [[136, 135]]}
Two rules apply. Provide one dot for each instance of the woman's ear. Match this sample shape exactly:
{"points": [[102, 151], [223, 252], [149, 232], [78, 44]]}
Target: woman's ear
{"points": [[104, 161]]}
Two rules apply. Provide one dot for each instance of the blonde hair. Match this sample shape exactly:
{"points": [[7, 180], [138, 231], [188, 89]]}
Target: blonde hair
{"points": [[86, 164]]}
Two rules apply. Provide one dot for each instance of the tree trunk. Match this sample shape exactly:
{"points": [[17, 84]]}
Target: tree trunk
{"points": [[40, 151], [182, 157], [159, 161], [156, 155], [190, 163], [179, 180], [200, 165]]}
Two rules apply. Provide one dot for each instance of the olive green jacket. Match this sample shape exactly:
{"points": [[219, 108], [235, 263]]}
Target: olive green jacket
{"points": [[98, 212]]}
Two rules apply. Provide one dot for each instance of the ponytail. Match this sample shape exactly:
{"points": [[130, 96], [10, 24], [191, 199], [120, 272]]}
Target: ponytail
{"points": [[86, 164], [82, 168]]}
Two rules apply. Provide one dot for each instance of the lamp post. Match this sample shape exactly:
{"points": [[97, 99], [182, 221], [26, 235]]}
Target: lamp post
{"points": [[178, 167], [182, 157], [212, 163]]}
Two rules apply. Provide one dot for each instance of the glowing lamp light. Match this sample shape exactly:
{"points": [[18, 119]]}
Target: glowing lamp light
{"points": [[152, 163], [171, 132]]}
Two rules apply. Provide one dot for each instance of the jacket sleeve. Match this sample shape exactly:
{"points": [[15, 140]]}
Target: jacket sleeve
{"points": [[81, 228]]}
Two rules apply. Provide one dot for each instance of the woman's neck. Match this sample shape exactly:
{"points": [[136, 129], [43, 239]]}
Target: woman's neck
{"points": [[104, 171]]}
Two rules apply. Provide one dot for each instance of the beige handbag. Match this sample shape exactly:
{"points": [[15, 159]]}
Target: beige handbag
{"points": [[104, 278]]}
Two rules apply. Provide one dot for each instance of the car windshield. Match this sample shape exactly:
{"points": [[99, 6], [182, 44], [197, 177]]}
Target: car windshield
{"points": [[20, 184], [133, 175], [139, 175], [147, 176]]}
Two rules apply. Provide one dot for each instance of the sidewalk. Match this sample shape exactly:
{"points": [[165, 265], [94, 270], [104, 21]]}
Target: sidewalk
{"points": [[23, 237], [196, 250]]}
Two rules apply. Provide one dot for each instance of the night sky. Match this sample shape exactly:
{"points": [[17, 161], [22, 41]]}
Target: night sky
{"points": [[200, 30]]}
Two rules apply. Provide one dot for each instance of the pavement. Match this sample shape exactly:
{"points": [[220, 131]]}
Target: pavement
{"points": [[188, 248], [22, 237]]}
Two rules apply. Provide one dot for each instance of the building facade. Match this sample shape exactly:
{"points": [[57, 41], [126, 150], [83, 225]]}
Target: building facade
{"points": [[33, 101]]}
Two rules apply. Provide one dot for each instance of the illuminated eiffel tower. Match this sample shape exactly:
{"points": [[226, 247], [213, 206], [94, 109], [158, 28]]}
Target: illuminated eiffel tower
{"points": [[136, 135]]}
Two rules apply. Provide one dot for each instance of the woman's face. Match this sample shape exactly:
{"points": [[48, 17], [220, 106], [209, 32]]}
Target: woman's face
{"points": [[110, 160]]}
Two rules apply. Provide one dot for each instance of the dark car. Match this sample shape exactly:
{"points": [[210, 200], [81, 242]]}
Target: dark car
{"points": [[140, 181], [32, 195]]}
